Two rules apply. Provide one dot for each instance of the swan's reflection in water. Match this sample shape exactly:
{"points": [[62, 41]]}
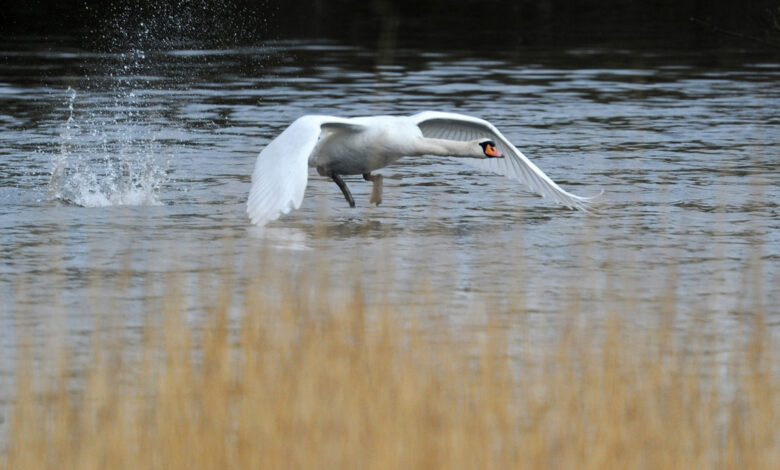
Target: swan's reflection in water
{"points": [[281, 238]]}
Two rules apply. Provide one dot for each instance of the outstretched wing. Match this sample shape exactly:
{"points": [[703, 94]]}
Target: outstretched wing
{"points": [[514, 165], [282, 168]]}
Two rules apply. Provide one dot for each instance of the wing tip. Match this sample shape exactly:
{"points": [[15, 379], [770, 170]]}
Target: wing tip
{"points": [[584, 203], [259, 217]]}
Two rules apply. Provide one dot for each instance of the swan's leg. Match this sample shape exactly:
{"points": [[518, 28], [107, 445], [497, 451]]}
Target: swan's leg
{"points": [[344, 188], [376, 191]]}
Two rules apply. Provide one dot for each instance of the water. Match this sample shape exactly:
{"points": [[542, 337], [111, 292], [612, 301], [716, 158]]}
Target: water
{"points": [[122, 168]]}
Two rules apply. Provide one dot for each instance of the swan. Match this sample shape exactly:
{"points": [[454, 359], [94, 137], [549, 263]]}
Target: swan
{"points": [[338, 146]]}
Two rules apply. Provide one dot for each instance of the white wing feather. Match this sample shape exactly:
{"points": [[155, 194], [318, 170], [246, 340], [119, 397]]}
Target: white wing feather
{"points": [[514, 165], [282, 171], [282, 168]]}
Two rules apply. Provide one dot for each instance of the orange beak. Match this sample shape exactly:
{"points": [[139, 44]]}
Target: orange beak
{"points": [[492, 151]]}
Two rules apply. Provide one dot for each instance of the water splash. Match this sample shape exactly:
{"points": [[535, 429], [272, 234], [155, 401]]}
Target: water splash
{"points": [[109, 147], [59, 161], [106, 160], [167, 25]]}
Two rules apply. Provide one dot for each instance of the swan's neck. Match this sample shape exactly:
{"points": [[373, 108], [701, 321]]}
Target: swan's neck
{"points": [[447, 148]]}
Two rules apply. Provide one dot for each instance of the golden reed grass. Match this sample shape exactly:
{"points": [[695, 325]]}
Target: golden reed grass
{"points": [[286, 383]]}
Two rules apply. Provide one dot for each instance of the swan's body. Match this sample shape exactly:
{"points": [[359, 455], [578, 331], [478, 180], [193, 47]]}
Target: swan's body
{"points": [[357, 146]]}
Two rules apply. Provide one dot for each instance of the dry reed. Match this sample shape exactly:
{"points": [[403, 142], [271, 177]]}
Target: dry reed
{"points": [[288, 383]]}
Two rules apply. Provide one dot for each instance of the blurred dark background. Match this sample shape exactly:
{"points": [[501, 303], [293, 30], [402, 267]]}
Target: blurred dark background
{"points": [[439, 23]]}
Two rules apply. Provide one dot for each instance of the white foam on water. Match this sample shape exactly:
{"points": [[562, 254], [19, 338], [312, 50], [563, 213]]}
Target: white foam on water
{"points": [[106, 161]]}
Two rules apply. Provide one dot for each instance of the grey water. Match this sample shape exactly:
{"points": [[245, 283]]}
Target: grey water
{"points": [[126, 168]]}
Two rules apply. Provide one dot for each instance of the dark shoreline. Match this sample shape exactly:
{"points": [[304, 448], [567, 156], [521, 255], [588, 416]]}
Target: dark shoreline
{"points": [[433, 23]]}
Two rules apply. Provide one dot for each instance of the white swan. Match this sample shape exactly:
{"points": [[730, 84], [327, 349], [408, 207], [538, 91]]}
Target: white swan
{"points": [[357, 146]]}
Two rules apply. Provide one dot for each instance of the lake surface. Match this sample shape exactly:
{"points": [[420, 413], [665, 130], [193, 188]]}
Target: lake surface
{"points": [[125, 168]]}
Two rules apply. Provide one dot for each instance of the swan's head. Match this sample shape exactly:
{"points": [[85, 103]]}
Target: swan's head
{"points": [[489, 149]]}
